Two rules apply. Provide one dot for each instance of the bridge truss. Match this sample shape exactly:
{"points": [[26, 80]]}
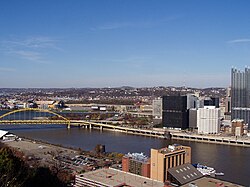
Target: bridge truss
{"points": [[33, 116]]}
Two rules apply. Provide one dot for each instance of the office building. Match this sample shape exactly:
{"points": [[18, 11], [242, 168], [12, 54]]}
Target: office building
{"points": [[237, 127], [240, 94], [227, 102], [157, 108], [227, 113], [191, 101], [192, 118], [169, 157], [241, 113], [175, 112], [136, 163], [200, 103], [208, 120], [211, 101]]}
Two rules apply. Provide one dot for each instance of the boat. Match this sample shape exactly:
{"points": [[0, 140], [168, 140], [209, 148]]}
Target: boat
{"points": [[205, 170]]}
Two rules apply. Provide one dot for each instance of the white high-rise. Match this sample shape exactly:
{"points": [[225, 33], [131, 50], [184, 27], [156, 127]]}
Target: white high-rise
{"points": [[208, 120], [157, 108]]}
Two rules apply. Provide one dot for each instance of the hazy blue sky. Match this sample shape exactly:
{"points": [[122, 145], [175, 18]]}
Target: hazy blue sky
{"points": [[80, 43]]}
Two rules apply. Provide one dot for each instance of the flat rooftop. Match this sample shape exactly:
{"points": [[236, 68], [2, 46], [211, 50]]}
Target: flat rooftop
{"points": [[211, 182], [172, 148], [113, 177], [140, 157]]}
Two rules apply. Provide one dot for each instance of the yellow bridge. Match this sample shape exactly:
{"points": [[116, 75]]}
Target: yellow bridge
{"points": [[12, 118]]}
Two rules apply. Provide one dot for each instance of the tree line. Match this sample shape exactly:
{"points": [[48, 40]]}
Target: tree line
{"points": [[15, 172]]}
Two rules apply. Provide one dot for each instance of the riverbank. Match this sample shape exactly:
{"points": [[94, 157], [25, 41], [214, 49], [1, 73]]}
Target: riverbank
{"points": [[175, 135], [41, 153], [206, 153], [213, 139], [73, 160]]}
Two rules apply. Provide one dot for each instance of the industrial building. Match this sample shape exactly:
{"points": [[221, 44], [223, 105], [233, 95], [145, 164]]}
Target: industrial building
{"points": [[169, 157]]}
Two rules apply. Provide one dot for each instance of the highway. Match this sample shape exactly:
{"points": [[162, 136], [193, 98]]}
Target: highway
{"points": [[161, 133]]}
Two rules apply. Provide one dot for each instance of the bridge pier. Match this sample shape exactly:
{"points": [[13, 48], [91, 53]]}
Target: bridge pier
{"points": [[68, 126]]}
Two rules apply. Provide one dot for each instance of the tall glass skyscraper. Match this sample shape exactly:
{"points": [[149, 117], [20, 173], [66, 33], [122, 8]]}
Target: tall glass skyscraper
{"points": [[240, 94]]}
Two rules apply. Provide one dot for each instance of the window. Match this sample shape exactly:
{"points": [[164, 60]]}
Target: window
{"points": [[180, 159]]}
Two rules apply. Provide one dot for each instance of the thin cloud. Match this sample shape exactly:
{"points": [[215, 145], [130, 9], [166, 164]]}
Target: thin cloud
{"points": [[129, 60], [32, 43], [132, 62], [30, 55], [143, 24], [3, 69], [31, 48], [111, 26], [243, 40]]}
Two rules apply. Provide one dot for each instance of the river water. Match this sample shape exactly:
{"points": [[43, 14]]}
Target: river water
{"points": [[232, 160]]}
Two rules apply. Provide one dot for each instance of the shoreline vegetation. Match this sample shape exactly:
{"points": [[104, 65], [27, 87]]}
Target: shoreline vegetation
{"points": [[29, 158], [15, 171]]}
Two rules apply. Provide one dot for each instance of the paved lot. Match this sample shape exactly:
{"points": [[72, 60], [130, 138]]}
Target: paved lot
{"points": [[42, 153]]}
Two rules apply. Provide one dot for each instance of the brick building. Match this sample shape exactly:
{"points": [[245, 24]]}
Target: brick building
{"points": [[136, 163]]}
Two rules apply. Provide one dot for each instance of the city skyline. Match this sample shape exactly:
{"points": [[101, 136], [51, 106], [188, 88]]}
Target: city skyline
{"points": [[122, 43]]}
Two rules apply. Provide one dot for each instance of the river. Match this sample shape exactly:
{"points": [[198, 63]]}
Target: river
{"points": [[232, 160]]}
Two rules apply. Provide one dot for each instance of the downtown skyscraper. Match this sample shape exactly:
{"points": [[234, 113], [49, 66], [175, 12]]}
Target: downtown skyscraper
{"points": [[240, 94]]}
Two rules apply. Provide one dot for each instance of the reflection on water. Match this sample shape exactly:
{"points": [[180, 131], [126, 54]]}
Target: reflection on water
{"points": [[223, 158]]}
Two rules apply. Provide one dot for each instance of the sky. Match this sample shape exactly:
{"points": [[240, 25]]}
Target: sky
{"points": [[113, 43]]}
